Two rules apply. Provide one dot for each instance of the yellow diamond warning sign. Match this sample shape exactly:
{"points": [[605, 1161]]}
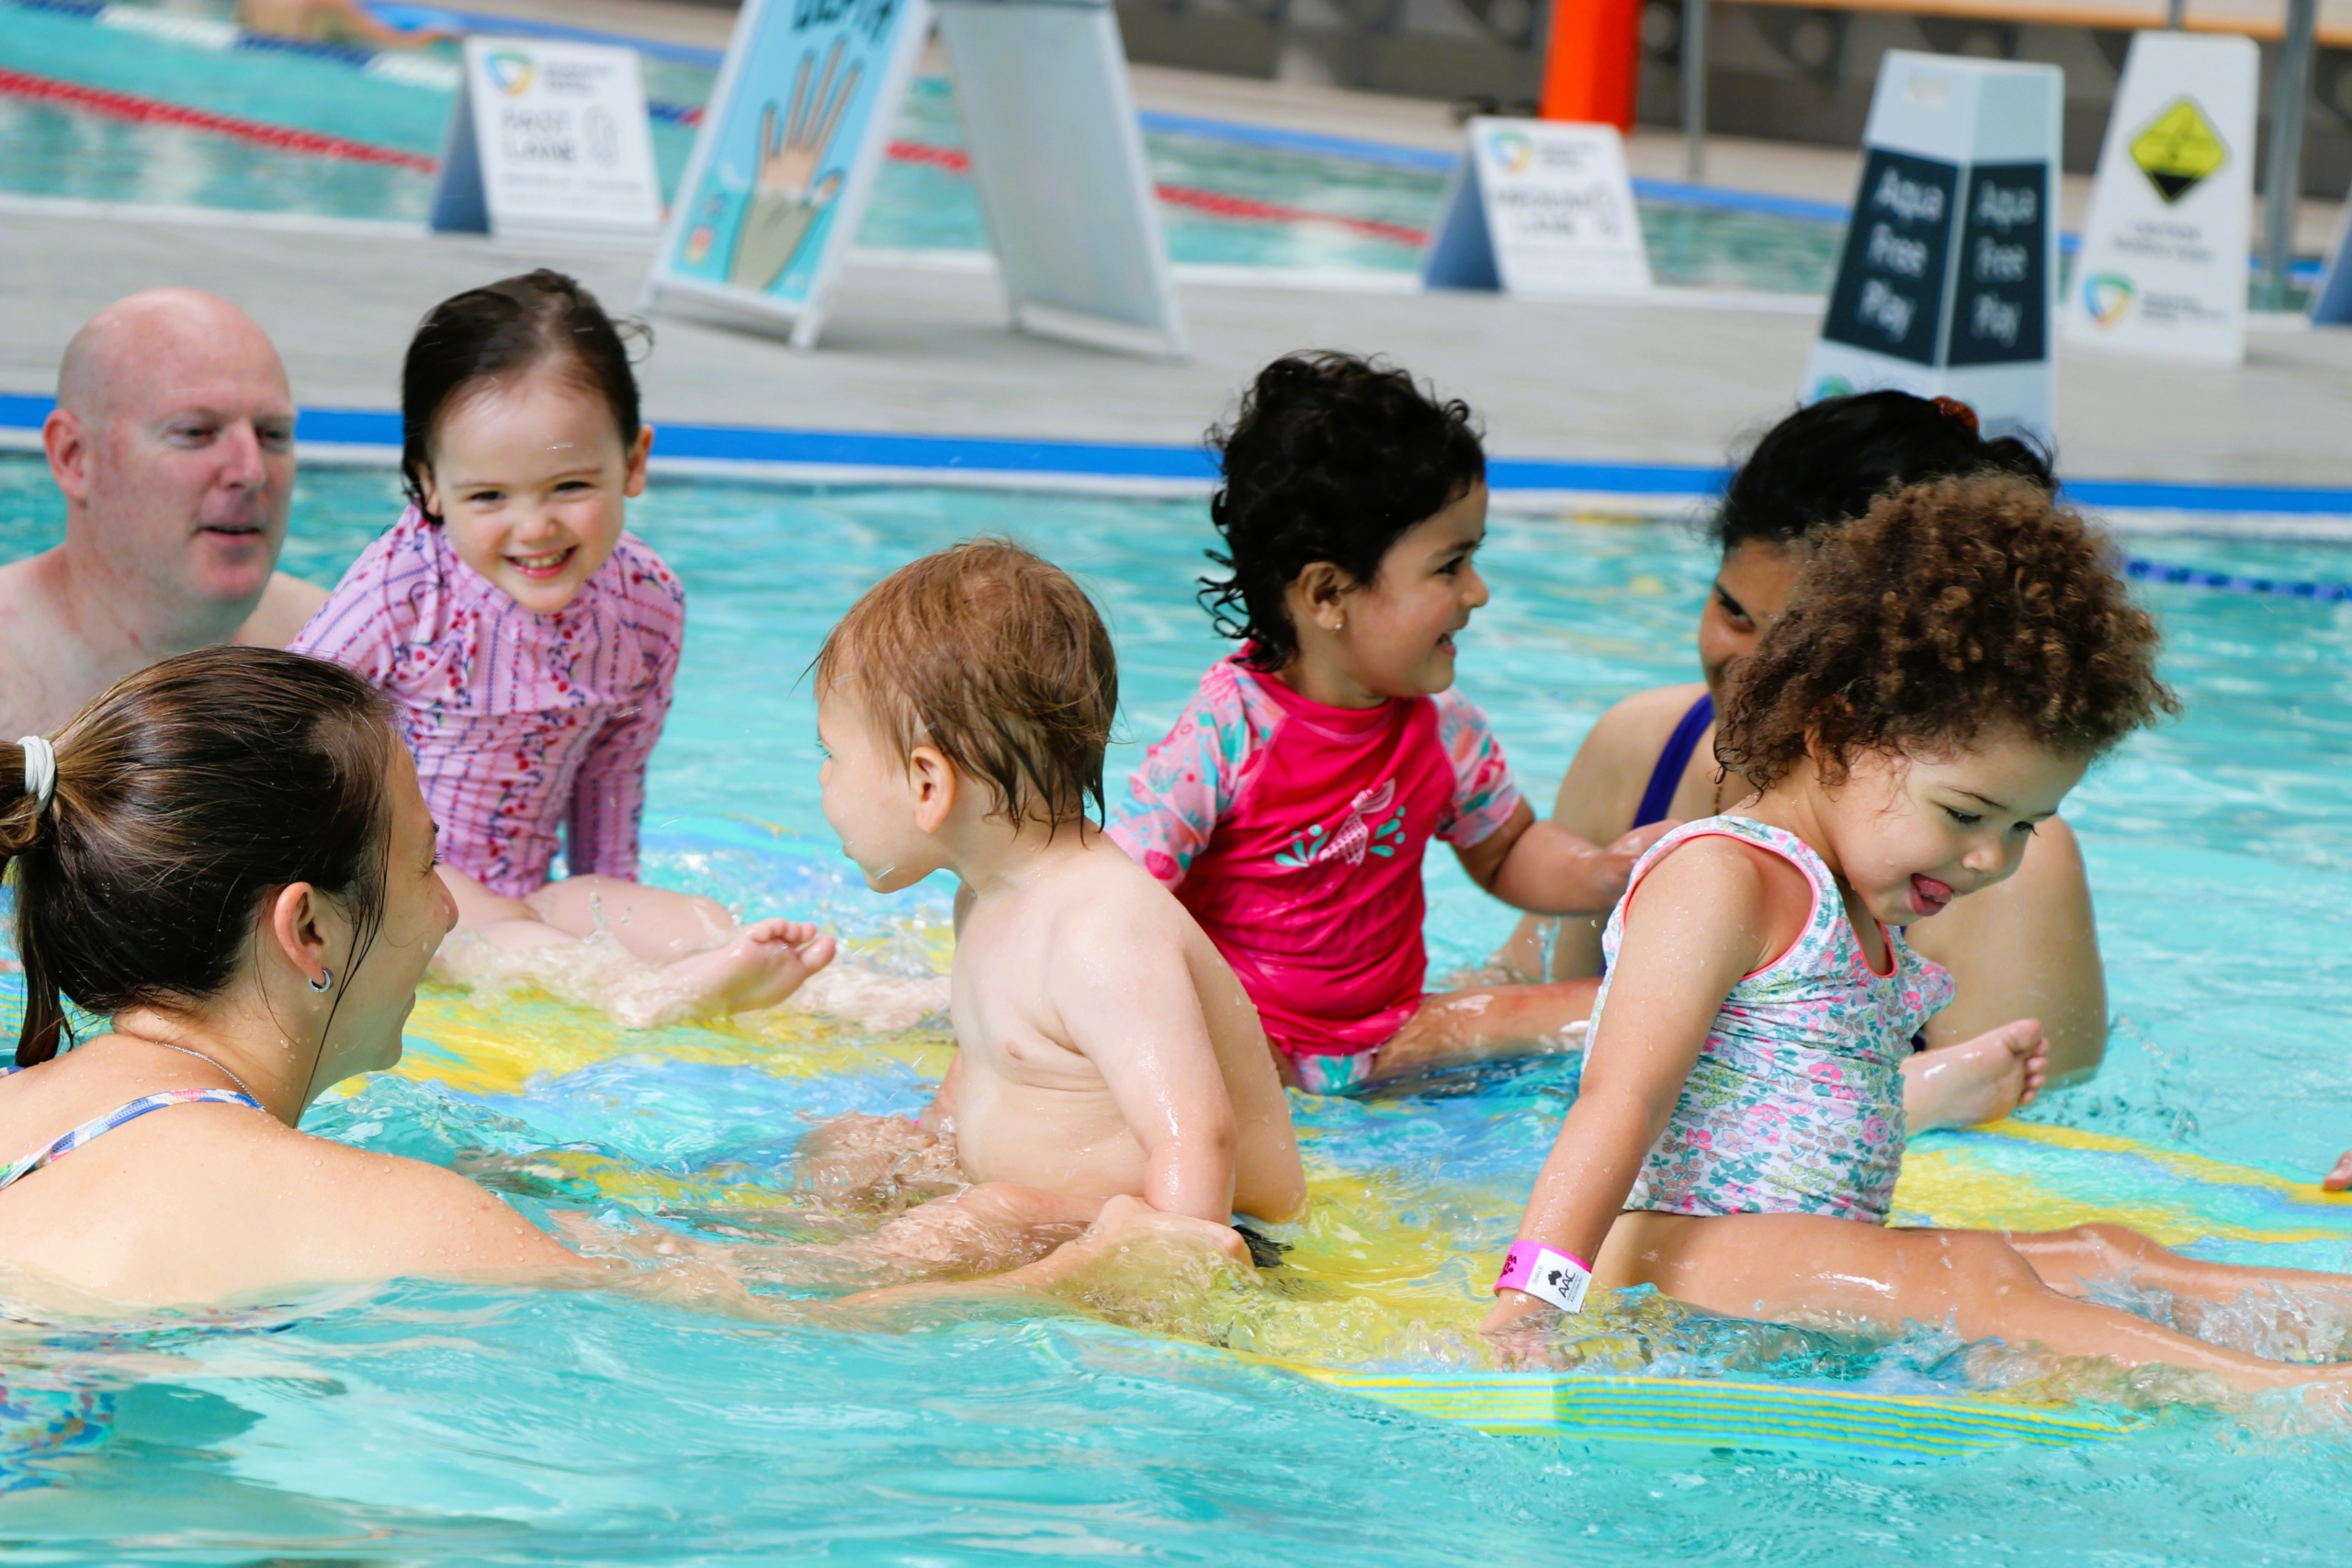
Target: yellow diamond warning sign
{"points": [[2178, 148]]}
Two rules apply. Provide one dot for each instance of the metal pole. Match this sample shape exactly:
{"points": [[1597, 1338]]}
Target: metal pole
{"points": [[1695, 90], [2175, 14], [2289, 89]]}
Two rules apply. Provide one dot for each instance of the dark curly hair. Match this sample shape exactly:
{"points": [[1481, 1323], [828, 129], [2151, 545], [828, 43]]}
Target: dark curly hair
{"points": [[1947, 608], [1825, 463], [1331, 457]]}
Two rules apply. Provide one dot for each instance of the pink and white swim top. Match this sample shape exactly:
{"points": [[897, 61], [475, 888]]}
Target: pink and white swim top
{"points": [[1293, 832], [520, 723], [1795, 1105]]}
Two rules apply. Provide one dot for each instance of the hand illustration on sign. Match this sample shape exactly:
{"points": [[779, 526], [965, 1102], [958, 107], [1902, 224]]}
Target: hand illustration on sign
{"points": [[788, 197]]}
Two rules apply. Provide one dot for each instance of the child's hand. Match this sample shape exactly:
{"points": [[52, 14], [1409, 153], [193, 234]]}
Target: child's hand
{"points": [[1126, 1223], [1519, 1333], [1620, 856], [2340, 1178]]}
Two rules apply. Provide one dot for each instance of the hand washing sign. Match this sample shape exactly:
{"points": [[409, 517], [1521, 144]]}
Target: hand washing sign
{"points": [[1944, 284], [1538, 207], [2162, 265], [548, 139], [789, 148], [800, 124]]}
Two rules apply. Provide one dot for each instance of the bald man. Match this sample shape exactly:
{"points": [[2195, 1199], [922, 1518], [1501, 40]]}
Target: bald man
{"points": [[173, 441]]}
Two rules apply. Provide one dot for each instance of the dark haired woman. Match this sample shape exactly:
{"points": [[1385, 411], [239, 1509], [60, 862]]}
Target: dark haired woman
{"points": [[1290, 807], [529, 646], [1945, 669], [229, 854], [2024, 950]]}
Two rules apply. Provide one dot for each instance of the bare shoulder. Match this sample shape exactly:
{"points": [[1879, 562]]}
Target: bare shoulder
{"points": [[31, 688], [1107, 899], [1726, 877], [382, 1215], [1640, 724], [1604, 782], [285, 607]]}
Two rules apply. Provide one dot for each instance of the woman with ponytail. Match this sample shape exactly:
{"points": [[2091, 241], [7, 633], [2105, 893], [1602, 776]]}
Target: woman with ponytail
{"points": [[228, 855]]}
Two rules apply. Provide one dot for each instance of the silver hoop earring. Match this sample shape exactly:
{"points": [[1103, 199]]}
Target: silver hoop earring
{"points": [[325, 980]]}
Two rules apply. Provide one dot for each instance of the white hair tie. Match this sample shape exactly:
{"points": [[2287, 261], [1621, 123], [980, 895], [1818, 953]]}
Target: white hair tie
{"points": [[40, 770]]}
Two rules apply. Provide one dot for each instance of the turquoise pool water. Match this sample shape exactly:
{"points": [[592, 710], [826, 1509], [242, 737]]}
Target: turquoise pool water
{"points": [[426, 1423], [47, 150]]}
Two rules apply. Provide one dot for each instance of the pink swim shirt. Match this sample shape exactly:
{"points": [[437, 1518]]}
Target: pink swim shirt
{"points": [[520, 724], [1293, 832]]}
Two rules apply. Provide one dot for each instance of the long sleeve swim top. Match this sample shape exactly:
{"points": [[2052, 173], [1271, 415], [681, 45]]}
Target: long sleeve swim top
{"points": [[520, 724], [1293, 832]]}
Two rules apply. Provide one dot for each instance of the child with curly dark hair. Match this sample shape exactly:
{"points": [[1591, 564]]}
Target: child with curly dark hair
{"points": [[1290, 805], [1944, 672]]}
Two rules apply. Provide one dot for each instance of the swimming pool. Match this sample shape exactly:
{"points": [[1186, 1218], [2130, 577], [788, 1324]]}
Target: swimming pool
{"points": [[1225, 203], [428, 1422]]}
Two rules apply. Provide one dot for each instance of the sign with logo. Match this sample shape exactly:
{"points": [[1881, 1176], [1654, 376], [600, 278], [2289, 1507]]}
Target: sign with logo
{"points": [[1944, 280], [548, 139], [1540, 207], [799, 124], [2163, 268]]}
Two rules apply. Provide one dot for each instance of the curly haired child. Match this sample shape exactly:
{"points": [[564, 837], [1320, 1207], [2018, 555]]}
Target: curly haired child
{"points": [[1945, 670], [1290, 805]]}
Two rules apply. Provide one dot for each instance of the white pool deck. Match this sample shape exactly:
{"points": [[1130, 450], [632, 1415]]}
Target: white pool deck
{"points": [[922, 349]]}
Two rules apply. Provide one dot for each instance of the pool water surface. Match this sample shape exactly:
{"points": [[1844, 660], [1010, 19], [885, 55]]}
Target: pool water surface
{"points": [[429, 1422]]}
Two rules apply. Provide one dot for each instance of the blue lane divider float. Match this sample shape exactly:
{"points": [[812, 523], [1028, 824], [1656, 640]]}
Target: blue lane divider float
{"points": [[951, 456], [2175, 575]]}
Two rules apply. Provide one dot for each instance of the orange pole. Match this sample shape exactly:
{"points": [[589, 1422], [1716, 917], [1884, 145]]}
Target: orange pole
{"points": [[1589, 68]]}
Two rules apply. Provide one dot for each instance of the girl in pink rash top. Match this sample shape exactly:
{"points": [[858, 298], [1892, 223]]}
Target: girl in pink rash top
{"points": [[529, 646], [1290, 805]]}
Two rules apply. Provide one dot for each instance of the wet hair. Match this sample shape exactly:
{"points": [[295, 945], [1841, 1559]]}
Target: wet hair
{"points": [[996, 657], [1330, 458], [1949, 609], [186, 797], [499, 333], [1825, 463]]}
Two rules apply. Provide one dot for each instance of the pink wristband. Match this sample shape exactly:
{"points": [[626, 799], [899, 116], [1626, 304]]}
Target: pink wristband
{"points": [[1547, 1274]]}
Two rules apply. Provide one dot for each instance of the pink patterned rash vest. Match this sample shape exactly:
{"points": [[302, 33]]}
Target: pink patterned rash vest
{"points": [[520, 723], [1293, 832]]}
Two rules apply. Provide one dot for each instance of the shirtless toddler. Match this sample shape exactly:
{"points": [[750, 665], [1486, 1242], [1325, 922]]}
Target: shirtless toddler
{"points": [[1103, 1048]]}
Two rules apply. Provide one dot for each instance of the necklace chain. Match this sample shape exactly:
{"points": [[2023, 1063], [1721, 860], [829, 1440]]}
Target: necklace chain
{"points": [[209, 1062]]}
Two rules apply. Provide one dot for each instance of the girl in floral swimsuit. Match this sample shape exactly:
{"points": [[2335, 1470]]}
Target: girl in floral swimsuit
{"points": [[1290, 805], [1945, 669]]}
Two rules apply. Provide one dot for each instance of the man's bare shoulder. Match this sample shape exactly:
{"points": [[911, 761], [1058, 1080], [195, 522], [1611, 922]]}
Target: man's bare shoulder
{"points": [[285, 607], [42, 684]]}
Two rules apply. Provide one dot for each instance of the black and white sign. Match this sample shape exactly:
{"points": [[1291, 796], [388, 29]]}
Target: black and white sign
{"points": [[1944, 282]]}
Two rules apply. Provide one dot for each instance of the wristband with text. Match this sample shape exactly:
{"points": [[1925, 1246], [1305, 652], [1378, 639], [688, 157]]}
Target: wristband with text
{"points": [[1546, 1274]]}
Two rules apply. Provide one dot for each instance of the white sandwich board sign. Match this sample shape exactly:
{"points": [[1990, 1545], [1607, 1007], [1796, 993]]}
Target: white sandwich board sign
{"points": [[800, 124], [548, 139], [1944, 283], [2162, 270], [1538, 207]]}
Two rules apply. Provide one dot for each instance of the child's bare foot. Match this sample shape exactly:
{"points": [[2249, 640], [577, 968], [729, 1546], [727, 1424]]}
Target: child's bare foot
{"points": [[2340, 1178], [758, 967], [1977, 1080]]}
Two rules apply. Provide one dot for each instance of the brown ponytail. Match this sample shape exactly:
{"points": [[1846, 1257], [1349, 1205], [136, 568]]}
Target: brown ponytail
{"points": [[185, 796]]}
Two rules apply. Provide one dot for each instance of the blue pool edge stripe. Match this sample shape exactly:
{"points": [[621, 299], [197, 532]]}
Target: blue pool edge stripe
{"points": [[948, 456]]}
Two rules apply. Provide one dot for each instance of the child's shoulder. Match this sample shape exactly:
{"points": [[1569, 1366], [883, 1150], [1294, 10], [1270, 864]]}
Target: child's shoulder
{"points": [[643, 575]]}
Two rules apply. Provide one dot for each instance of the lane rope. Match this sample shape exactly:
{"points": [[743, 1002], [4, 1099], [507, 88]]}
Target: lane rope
{"points": [[285, 139]]}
